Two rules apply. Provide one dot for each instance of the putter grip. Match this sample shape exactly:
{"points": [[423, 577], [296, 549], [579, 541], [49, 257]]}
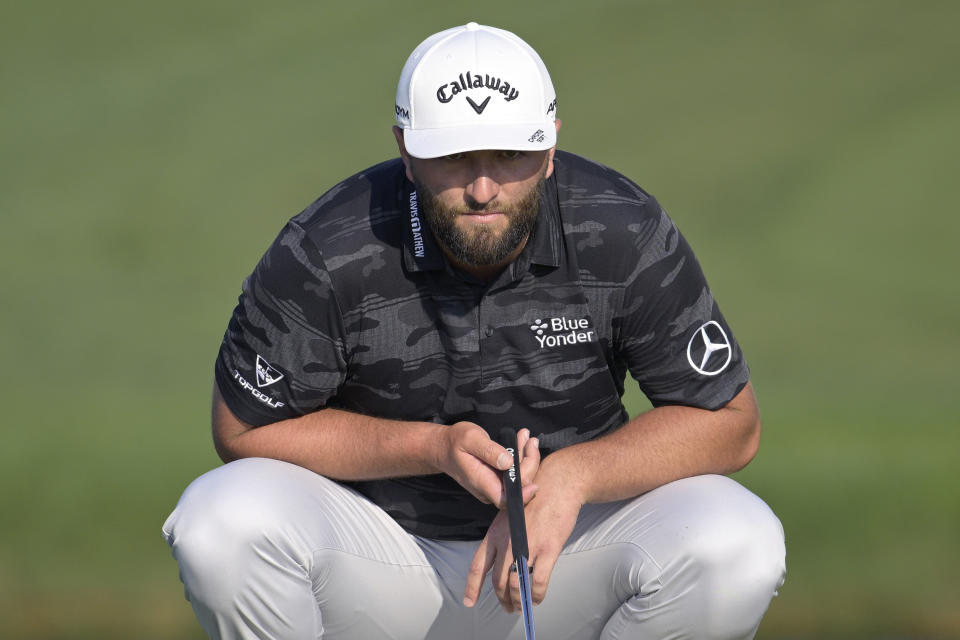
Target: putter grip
{"points": [[514, 491]]}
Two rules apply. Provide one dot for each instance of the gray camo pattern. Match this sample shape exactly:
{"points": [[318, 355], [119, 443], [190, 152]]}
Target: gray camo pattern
{"points": [[352, 318]]}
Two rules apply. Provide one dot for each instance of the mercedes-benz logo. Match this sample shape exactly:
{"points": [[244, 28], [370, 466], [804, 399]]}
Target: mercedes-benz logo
{"points": [[709, 349]]}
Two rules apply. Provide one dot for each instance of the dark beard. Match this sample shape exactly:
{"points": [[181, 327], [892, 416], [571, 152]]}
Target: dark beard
{"points": [[483, 247]]}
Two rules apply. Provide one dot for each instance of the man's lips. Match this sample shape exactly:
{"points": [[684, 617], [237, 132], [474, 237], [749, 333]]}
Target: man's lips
{"points": [[482, 216]]}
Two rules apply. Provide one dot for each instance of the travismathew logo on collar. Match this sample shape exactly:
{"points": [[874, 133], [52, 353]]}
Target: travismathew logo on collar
{"points": [[415, 228], [557, 332], [467, 81]]}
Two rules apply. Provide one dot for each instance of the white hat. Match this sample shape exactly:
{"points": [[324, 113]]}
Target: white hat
{"points": [[475, 87]]}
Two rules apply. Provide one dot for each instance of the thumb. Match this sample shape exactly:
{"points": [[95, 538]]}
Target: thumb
{"points": [[504, 460], [494, 455]]}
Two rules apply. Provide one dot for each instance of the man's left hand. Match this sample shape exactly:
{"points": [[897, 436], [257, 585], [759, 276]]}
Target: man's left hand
{"points": [[494, 551], [550, 516]]}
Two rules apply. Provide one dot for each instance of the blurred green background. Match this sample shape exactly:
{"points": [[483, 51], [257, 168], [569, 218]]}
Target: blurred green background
{"points": [[150, 151]]}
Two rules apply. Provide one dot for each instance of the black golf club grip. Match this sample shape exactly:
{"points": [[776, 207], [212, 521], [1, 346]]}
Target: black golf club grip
{"points": [[514, 490]]}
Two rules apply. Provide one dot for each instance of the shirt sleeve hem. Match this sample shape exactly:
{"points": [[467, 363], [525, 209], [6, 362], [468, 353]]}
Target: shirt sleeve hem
{"points": [[236, 402]]}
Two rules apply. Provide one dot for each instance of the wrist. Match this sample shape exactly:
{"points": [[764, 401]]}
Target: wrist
{"points": [[565, 470], [435, 448]]}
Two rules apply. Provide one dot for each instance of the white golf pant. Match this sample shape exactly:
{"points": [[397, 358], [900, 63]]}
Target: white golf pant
{"points": [[268, 549]]}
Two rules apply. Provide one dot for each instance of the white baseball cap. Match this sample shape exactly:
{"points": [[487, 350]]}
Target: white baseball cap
{"points": [[475, 87]]}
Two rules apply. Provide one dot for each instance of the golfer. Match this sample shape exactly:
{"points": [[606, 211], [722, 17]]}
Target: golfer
{"points": [[482, 280]]}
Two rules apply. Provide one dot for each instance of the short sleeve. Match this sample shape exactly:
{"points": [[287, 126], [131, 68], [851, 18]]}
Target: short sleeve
{"points": [[673, 337], [283, 354]]}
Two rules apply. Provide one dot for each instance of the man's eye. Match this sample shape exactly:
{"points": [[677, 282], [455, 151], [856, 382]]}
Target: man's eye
{"points": [[455, 156], [511, 154]]}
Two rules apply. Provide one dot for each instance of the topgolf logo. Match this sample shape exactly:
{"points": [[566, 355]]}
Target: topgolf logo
{"points": [[557, 332]]}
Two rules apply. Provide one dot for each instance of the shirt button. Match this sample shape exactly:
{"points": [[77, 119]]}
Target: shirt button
{"points": [[489, 331]]}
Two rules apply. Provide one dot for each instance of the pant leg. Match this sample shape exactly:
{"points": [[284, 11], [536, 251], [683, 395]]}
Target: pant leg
{"points": [[271, 550], [699, 558], [268, 549]]}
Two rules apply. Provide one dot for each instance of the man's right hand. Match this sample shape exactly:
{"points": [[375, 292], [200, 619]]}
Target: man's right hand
{"points": [[467, 454]]}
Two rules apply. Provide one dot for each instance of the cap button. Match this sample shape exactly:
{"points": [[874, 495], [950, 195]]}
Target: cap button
{"points": [[472, 26]]}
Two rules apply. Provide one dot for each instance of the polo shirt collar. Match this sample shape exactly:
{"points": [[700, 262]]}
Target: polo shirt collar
{"points": [[547, 240]]}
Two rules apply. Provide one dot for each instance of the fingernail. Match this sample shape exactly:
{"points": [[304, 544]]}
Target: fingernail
{"points": [[536, 442], [468, 602], [505, 460]]}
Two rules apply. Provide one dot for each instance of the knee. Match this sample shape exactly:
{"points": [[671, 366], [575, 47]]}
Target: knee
{"points": [[221, 526], [728, 532], [734, 566], [222, 506], [745, 553], [211, 533]]}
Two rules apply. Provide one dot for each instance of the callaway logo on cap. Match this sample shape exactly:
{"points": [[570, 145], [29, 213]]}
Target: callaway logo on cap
{"points": [[475, 87]]}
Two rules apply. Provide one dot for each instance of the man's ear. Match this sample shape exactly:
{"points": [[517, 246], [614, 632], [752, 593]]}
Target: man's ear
{"points": [[549, 171], [398, 134]]}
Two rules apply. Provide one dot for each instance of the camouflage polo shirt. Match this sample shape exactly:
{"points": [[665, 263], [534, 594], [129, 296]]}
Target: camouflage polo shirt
{"points": [[354, 306]]}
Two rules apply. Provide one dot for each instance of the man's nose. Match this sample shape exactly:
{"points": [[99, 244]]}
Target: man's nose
{"points": [[482, 189]]}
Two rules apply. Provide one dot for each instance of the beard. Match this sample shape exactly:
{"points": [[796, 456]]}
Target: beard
{"points": [[480, 245]]}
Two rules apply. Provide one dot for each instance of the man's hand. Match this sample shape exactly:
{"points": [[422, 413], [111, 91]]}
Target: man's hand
{"points": [[468, 455], [550, 521], [495, 551], [551, 516]]}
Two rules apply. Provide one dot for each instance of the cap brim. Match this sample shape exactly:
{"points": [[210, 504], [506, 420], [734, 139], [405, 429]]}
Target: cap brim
{"points": [[436, 143]]}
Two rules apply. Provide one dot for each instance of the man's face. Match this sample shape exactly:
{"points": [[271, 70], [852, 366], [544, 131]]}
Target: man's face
{"points": [[481, 205]]}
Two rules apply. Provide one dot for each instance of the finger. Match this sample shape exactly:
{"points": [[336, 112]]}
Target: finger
{"points": [[476, 442], [488, 483], [529, 492], [531, 461], [515, 584], [532, 447], [490, 452], [503, 576], [482, 561], [540, 577], [523, 436], [490, 489], [485, 485]]}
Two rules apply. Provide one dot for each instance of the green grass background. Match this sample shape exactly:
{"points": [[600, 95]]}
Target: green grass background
{"points": [[150, 151]]}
